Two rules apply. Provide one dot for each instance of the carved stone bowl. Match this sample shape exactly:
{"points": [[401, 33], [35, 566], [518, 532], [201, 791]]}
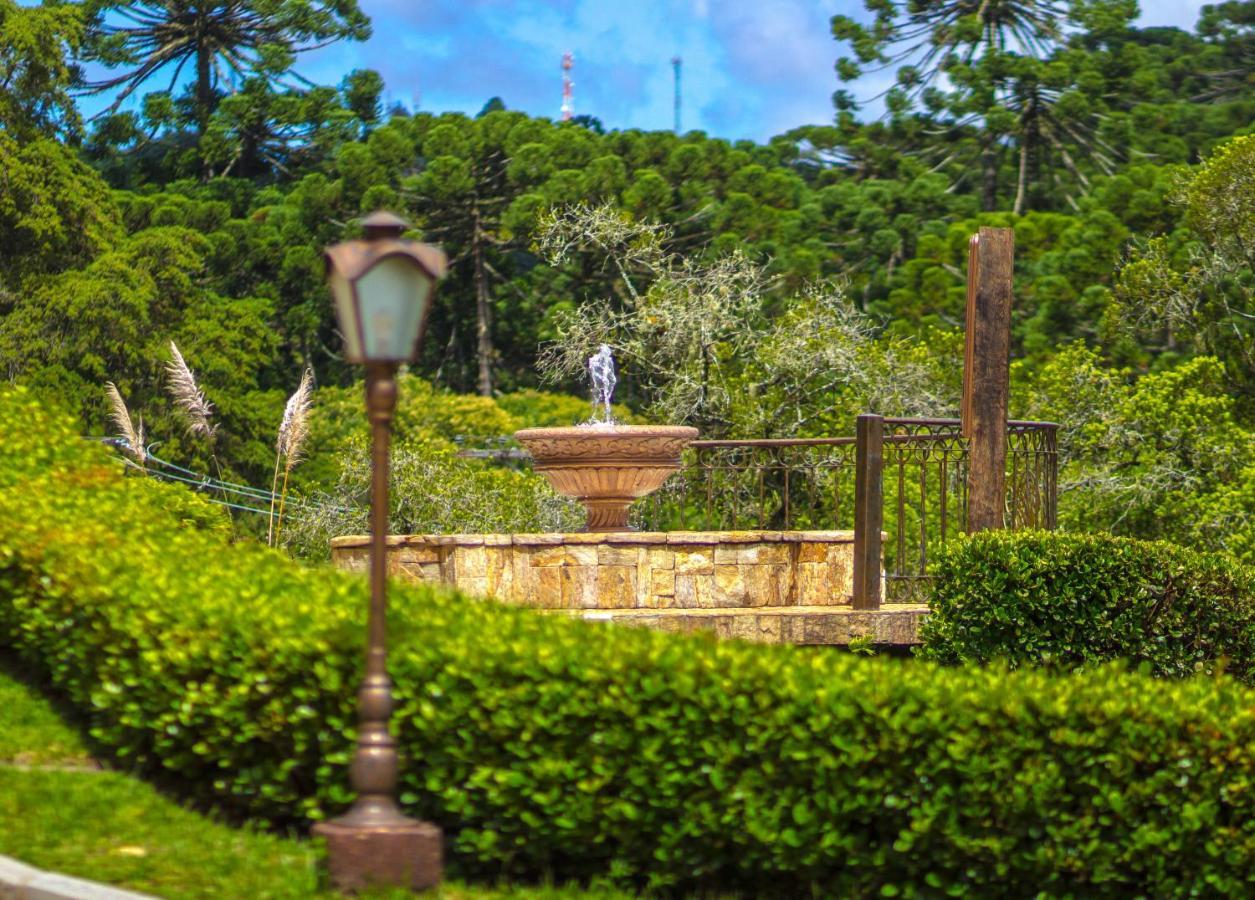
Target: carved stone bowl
{"points": [[607, 467]]}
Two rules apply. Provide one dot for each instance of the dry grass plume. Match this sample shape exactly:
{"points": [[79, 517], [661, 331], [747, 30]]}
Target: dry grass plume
{"points": [[289, 446], [131, 434], [188, 397]]}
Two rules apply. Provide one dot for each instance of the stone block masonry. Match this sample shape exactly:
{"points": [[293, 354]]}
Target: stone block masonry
{"points": [[628, 570], [790, 587]]}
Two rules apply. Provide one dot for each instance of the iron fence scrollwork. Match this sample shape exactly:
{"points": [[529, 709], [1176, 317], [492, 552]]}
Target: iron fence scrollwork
{"points": [[812, 483]]}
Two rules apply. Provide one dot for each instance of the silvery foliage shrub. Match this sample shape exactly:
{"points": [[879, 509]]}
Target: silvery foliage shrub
{"points": [[711, 342]]}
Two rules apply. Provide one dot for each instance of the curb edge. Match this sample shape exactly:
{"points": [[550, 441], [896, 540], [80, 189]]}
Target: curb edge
{"points": [[19, 881]]}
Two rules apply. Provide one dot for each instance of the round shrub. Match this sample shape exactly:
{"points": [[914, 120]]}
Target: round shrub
{"points": [[1072, 600]]}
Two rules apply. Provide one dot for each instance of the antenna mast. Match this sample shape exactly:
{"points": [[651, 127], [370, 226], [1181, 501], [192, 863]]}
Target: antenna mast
{"points": [[568, 87], [676, 62]]}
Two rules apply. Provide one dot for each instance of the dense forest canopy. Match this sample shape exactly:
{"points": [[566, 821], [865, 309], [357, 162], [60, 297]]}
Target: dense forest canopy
{"points": [[1123, 157]]}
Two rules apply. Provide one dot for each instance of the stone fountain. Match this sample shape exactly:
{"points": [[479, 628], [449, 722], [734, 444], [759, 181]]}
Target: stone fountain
{"points": [[772, 586], [604, 465]]}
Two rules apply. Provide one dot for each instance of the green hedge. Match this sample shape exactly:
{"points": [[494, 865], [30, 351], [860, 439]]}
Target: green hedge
{"points": [[546, 746], [1072, 600]]}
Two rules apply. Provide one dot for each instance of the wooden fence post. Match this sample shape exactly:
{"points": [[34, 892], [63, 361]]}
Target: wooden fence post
{"points": [[986, 377], [869, 438]]}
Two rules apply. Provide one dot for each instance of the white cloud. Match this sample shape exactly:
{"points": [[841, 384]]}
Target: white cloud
{"points": [[752, 68], [1181, 13]]}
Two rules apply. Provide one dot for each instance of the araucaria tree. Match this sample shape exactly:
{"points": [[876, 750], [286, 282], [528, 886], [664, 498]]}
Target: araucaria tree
{"points": [[224, 40], [981, 61], [922, 37]]}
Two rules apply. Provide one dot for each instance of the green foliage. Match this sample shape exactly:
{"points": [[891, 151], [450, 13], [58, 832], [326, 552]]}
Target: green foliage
{"points": [[1058, 119], [1228, 511], [702, 342], [1163, 457], [1041, 598], [537, 409], [55, 212], [424, 415], [531, 408], [1220, 197], [1227, 27], [434, 491], [545, 745], [422, 409], [995, 71], [1065, 264], [113, 321], [257, 130], [190, 510], [114, 828], [34, 70], [1198, 284]]}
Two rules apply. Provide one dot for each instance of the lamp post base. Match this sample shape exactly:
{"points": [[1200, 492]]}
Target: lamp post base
{"points": [[403, 854]]}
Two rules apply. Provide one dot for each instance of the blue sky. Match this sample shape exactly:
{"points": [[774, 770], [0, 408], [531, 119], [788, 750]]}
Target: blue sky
{"points": [[752, 68]]}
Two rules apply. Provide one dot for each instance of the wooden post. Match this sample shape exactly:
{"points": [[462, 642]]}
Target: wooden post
{"points": [[986, 376], [869, 436]]}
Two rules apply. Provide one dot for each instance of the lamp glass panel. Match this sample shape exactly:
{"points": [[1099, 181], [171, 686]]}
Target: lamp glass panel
{"points": [[392, 298], [346, 315]]}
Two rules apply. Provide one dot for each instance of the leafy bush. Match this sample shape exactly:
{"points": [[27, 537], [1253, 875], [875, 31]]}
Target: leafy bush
{"points": [[424, 413], [434, 491], [544, 745], [1164, 458], [1074, 600], [542, 409]]}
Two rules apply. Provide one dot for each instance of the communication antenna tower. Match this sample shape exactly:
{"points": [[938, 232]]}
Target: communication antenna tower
{"points": [[568, 87], [676, 62]]}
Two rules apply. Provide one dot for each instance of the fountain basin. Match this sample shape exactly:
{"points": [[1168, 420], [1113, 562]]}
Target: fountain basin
{"points": [[607, 467]]}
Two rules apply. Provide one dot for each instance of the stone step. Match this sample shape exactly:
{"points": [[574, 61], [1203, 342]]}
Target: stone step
{"points": [[894, 624]]}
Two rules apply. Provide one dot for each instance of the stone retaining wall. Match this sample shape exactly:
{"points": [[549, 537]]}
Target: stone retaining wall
{"points": [[628, 570]]}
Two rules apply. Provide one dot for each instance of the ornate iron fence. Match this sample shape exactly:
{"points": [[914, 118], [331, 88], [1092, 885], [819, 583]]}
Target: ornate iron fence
{"points": [[757, 484], [914, 475]]}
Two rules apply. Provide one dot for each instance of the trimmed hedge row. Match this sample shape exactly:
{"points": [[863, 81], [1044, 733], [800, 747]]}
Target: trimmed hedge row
{"points": [[546, 746], [1073, 600]]}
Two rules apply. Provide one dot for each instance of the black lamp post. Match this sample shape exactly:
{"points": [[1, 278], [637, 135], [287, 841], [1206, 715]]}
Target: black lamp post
{"points": [[383, 287]]}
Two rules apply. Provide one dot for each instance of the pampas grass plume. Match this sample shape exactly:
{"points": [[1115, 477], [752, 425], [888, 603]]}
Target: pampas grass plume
{"points": [[127, 430], [295, 426], [188, 396], [289, 444]]}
